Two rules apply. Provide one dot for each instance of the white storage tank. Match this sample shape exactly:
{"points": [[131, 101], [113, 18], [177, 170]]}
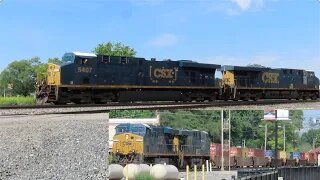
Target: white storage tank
{"points": [[133, 170], [115, 171], [145, 168], [172, 172], [158, 172]]}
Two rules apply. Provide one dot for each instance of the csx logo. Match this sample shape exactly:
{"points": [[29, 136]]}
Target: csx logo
{"points": [[163, 73], [272, 78]]}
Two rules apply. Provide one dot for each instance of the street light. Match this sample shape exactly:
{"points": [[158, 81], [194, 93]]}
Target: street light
{"points": [[284, 136], [265, 136]]}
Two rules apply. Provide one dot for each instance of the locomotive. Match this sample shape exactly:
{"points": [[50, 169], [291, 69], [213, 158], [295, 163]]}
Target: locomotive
{"points": [[90, 78], [141, 143]]}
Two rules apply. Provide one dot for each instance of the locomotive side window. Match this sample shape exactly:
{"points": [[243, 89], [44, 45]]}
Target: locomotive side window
{"points": [[124, 60], [84, 61], [105, 59]]}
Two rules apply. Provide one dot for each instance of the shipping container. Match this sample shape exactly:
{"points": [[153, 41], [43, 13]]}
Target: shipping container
{"points": [[282, 155], [269, 153], [305, 156], [295, 155], [251, 152], [215, 150]]}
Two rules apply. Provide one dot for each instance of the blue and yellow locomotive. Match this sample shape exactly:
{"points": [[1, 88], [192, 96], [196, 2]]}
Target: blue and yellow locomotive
{"points": [[140, 143], [91, 78]]}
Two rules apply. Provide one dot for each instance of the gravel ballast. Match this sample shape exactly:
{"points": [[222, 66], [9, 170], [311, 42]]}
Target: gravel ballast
{"points": [[54, 146]]}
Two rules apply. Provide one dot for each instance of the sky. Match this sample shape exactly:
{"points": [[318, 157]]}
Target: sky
{"points": [[273, 33]]}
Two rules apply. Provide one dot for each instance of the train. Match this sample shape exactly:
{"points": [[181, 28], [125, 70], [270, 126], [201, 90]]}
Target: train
{"points": [[90, 78], [141, 143]]}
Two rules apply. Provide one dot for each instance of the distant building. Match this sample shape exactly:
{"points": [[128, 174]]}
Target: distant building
{"points": [[114, 122]]}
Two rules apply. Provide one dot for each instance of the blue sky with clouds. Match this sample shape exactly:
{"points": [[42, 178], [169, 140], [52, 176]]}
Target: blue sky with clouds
{"points": [[275, 33]]}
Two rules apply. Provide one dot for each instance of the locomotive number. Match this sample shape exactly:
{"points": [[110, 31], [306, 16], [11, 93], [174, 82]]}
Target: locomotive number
{"points": [[163, 73], [270, 78], [85, 69]]}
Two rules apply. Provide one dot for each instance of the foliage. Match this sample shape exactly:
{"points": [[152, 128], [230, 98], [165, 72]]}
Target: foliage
{"points": [[17, 100], [256, 65], [291, 128], [21, 75], [312, 136], [132, 114], [55, 61], [208, 121], [143, 176], [114, 49]]}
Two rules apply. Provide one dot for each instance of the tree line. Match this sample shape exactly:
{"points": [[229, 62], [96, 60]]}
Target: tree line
{"points": [[20, 76]]}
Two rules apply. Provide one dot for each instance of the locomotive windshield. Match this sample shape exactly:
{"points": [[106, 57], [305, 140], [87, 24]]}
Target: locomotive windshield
{"points": [[121, 129], [139, 129], [70, 57]]}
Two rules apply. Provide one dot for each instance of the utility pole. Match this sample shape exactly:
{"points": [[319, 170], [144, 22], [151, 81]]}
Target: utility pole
{"points": [[265, 137], [314, 140], [229, 120], [222, 158], [276, 143], [284, 137]]}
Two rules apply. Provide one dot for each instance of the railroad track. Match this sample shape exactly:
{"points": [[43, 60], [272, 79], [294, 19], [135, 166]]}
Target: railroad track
{"points": [[96, 108]]}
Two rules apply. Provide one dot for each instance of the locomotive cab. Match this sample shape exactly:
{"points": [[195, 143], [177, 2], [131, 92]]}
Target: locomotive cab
{"points": [[128, 142]]}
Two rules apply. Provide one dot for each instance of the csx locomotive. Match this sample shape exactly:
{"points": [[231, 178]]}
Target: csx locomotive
{"points": [[140, 143], [91, 78]]}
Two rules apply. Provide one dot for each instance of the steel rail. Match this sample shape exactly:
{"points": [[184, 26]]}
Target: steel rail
{"points": [[178, 104]]}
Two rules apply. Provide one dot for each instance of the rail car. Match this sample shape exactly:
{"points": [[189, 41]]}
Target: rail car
{"points": [[90, 78], [140, 143], [253, 157]]}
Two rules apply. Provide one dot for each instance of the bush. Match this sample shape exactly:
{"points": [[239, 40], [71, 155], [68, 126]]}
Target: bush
{"points": [[28, 100], [143, 176]]}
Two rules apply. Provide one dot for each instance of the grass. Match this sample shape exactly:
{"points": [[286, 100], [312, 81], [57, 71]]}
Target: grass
{"points": [[28, 100], [143, 176]]}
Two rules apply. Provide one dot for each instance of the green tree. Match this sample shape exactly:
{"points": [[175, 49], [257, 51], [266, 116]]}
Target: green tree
{"points": [[114, 49], [132, 114], [291, 128], [41, 69], [55, 61], [312, 136], [21, 75]]}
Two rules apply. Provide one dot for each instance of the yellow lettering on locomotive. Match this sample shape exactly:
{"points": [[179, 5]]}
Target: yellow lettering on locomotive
{"points": [[271, 78], [85, 69], [163, 73]]}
